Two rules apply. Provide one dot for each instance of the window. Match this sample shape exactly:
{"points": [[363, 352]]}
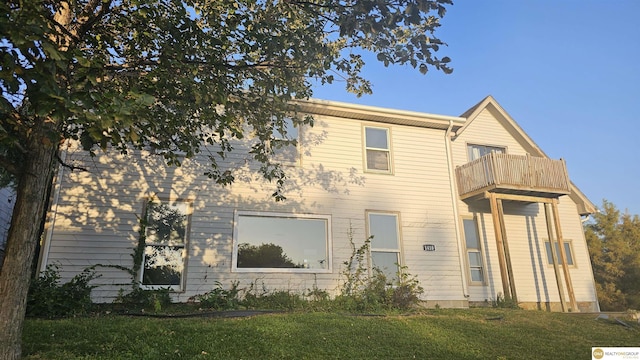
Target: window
{"points": [[164, 250], [567, 251], [377, 149], [478, 151], [273, 242], [385, 243], [285, 146], [474, 251]]}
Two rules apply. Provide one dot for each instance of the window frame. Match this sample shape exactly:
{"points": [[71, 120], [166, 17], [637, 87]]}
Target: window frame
{"points": [[372, 249], [485, 146], [329, 242], [568, 246], [185, 246], [388, 150], [479, 250]]}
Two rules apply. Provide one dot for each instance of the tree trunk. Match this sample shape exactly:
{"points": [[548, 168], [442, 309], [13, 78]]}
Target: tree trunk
{"points": [[24, 235]]}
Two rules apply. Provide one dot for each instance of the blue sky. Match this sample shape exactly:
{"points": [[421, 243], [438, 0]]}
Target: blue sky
{"points": [[567, 71]]}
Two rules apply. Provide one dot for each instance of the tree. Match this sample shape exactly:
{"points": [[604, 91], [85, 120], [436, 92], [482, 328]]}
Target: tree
{"points": [[614, 245], [173, 75]]}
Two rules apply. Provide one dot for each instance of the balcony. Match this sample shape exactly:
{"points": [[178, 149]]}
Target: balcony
{"points": [[513, 174]]}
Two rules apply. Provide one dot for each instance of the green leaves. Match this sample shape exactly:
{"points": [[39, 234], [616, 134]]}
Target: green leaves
{"points": [[136, 73]]}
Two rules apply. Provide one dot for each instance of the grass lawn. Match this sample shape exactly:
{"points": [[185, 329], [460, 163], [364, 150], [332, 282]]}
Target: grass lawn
{"points": [[436, 334]]}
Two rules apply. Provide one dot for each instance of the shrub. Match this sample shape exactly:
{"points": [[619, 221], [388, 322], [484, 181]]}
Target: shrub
{"points": [[48, 298], [271, 300], [219, 298], [156, 299]]}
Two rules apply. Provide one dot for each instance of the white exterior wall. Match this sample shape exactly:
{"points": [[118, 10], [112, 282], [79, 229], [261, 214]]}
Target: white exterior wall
{"points": [[526, 229], [96, 216], [97, 213]]}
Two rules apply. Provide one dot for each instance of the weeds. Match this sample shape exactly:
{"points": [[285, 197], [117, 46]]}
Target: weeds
{"points": [[48, 298]]}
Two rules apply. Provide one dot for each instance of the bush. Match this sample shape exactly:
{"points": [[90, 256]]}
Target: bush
{"points": [[219, 298], [155, 299], [272, 300], [48, 298]]}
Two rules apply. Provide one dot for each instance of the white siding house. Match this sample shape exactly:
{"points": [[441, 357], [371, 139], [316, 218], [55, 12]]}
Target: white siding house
{"points": [[359, 171]]}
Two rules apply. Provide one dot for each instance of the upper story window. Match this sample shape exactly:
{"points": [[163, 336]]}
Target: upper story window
{"points": [[277, 242], [477, 151], [166, 234], [377, 149], [285, 143]]}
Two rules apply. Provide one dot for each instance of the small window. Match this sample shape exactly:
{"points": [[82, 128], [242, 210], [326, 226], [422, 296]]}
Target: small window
{"points": [[274, 242], [377, 149], [567, 251], [285, 146], [166, 234], [474, 251], [385, 243], [478, 151]]}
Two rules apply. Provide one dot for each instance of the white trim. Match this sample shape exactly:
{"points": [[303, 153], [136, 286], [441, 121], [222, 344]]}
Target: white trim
{"points": [[389, 150]]}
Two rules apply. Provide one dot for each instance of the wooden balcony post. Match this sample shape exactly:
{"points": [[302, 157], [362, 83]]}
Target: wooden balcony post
{"points": [[563, 256], [504, 274], [507, 253], [556, 268]]}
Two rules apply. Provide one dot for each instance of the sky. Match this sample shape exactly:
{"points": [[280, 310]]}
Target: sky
{"points": [[567, 71]]}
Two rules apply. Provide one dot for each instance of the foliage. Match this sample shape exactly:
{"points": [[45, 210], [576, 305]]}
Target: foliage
{"points": [[262, 298], [48, 298], [444, 334], [371, 290], [504, 303], [220, 298], [147, 299], [614, 245], [164, 73], [356, 270]]}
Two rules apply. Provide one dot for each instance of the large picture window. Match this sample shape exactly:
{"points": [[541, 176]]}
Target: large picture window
{"points": [[377, 149], [272, 242], [166, 233], [385, 243], [475, 261]]}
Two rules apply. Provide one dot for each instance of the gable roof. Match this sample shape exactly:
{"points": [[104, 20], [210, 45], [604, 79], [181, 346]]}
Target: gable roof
{"points": [[585, 206]]}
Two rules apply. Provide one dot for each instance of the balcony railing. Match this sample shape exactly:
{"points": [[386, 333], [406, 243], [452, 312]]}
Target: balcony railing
{"points": [[513, 174]]}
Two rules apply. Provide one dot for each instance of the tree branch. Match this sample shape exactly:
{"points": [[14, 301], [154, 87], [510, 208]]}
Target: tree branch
{"points": [[68, 166]]}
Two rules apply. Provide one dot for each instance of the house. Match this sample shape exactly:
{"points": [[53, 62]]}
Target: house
{"points": [[468, 204]]}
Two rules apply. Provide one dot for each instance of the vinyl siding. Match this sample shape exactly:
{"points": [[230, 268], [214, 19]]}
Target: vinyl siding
{"points": [[98, 211]]}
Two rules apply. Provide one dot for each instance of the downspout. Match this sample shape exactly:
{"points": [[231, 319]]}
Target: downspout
{"points": [[454, 205], [53, 211]]}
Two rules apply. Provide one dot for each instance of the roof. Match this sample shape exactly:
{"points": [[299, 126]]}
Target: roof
{"points": [[379, 114], [585, 206]]}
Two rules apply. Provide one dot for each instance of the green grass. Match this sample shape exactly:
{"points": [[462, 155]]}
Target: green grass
{"points": [[436, 334]]}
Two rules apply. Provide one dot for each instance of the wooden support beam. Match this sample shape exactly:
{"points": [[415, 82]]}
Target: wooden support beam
{"points": [[495, 215], [563, 257], [554, 256], [507, 253], [522, 198]]}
